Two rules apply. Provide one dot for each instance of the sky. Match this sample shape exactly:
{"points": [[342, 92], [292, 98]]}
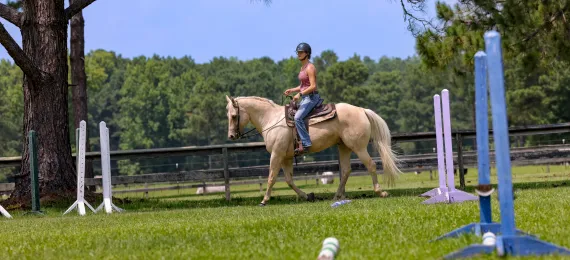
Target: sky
{"points": [[246, 29]]}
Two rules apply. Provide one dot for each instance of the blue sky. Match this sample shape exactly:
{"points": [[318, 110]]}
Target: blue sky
{"points": [[203, 29]]}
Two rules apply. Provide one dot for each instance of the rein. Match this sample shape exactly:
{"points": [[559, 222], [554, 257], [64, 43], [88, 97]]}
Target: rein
{"points": [[244, 135]]}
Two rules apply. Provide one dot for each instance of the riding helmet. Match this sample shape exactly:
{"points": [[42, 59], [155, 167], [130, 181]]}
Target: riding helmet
{"points": [[304, 47]]}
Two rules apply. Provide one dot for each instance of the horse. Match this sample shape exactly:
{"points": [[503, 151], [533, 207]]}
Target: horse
{"points": [[351, 128]]}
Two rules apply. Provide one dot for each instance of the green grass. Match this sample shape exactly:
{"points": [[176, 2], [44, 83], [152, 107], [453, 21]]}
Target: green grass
{"points": [[183, 225]]}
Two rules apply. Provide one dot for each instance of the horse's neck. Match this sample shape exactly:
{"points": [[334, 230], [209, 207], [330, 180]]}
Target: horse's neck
{"points": [[261, 113]]}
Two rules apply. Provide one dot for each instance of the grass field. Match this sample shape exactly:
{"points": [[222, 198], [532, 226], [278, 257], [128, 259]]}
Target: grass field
{"points": [[182, 225]]}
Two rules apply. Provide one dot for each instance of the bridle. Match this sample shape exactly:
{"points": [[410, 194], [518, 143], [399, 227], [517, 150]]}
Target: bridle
{"points": [[239, 135]]}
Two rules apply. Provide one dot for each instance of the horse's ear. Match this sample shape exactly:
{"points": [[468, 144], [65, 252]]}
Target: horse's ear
{"points": [[232, 100]]}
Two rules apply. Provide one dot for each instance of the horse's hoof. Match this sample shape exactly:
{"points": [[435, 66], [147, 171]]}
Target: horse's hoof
{"points": [[383, 194], [311, 197], [262, 204]]}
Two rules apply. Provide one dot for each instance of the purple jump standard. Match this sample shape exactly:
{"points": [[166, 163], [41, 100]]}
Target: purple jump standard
{"points": [[444, 194]]}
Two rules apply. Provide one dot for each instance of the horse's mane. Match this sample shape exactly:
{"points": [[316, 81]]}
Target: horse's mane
{"points": [[258, 98]]}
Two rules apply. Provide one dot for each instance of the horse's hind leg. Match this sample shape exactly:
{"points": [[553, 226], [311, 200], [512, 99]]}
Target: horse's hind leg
{"points": [[364, 156], [287, 166], [345, 170]]}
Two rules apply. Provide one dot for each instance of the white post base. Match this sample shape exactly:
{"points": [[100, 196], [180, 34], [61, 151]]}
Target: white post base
{"points": [[80, 207], [109, 206], [4, 212]]}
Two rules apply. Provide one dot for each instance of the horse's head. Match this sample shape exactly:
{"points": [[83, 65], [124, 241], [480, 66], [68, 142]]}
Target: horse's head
{"points": [[237, 119]]}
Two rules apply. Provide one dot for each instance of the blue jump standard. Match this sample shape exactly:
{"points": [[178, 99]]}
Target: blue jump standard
{"points": [[511, 241], [486, 224]]}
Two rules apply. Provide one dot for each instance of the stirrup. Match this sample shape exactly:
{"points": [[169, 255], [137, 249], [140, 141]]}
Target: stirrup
{"points": [[301, 150]]}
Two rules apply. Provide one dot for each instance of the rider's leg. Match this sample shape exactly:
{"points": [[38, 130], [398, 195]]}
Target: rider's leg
{"points": [[305, 107]]}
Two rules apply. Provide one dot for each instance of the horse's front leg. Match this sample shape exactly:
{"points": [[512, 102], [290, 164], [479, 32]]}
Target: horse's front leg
{"points": [[345, 170], [274, 166], [288, 172]]}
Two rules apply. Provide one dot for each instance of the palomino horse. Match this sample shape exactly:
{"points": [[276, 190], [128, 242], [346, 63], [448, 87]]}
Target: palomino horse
{"points": [[351, 129]]}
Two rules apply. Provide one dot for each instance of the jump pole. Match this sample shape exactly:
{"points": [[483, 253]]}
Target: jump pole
{"points": [[511, 241], [444, 194]]}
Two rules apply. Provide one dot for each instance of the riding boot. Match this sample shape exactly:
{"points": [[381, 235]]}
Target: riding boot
{"points": [[301, 149]]}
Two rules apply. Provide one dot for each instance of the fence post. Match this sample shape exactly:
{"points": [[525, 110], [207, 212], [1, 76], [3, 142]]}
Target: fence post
{"points": [[226, 172], [146, 190], [459, 140]]}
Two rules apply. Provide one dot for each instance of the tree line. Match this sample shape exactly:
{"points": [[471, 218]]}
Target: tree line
{"points": [[157, 102]]}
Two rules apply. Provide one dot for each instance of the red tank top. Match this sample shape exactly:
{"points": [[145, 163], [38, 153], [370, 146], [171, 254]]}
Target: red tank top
{"points": [[304, 78]]}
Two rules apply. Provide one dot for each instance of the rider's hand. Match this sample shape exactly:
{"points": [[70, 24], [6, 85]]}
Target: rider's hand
{"points": [[286, 93], [296, 97]]}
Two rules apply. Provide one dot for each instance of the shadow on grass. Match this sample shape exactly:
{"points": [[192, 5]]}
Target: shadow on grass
{"points": [[140, 204]]}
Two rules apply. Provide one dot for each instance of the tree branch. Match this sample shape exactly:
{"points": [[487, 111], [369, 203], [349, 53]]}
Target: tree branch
{"points": [[10, 14], [20, 58], [76, 7], [411, 18], [544, 25], [267, 2]]}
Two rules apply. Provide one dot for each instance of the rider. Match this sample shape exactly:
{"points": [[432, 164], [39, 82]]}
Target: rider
{"points": [[307, 92]]}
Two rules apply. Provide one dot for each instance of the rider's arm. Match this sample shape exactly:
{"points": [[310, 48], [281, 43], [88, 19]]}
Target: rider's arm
{"points": [[296, 89], [312, 79]]}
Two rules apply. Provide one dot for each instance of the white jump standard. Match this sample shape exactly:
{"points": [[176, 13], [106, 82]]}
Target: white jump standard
{"points": [[80, 202], [106, 170]]}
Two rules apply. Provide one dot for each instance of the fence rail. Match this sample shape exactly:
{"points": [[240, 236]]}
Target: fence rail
{"points": [[260, 146], [316, 177]]}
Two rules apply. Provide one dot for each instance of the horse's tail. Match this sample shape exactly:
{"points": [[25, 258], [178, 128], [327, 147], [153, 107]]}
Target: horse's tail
{"points": [[382, 142]]}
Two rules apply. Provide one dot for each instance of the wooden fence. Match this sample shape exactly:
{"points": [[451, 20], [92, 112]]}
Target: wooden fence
{"points": [[414, 164]]}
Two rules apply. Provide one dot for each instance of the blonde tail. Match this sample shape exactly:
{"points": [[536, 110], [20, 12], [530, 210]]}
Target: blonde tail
{"points": [[382, 139]]}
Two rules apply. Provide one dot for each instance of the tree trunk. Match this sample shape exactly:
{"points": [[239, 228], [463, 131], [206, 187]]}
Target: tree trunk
{"points": [[79, 80], [44, 41]]}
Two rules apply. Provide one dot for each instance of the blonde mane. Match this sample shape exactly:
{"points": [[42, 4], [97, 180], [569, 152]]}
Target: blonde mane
{"points": [[273, 104]]}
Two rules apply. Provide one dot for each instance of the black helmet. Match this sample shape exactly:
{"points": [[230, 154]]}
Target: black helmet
{"points": [[304, 47]]}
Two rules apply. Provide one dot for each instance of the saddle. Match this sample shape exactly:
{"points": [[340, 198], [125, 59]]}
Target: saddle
{"points": [[321, 112]]}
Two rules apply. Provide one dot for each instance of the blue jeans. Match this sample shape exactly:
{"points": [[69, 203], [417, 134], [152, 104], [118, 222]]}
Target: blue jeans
{"points": [[307, 104]]}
